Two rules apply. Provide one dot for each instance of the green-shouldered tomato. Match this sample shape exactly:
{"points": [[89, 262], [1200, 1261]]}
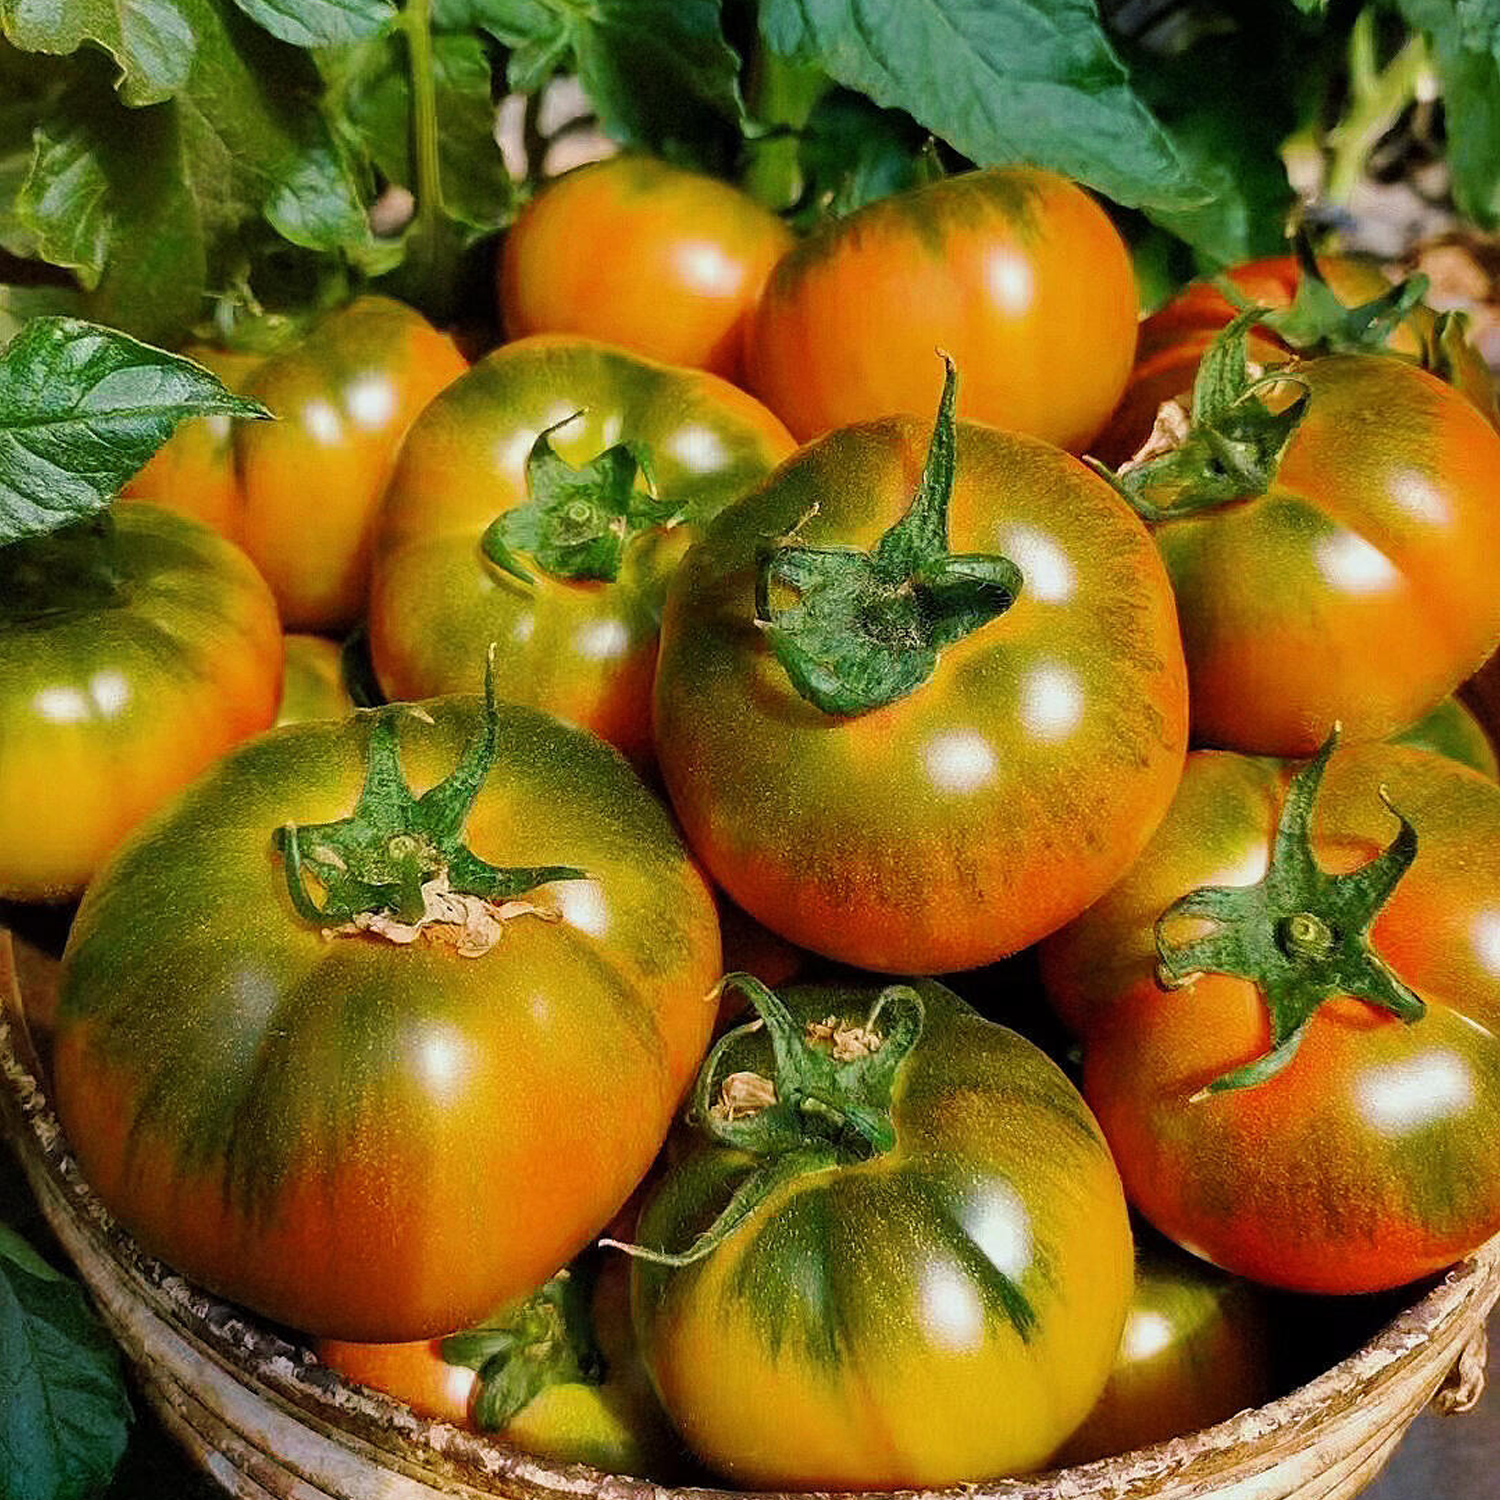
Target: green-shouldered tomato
{"points": [[1016, 273], [542, 502], [1308, 1101], [1329, 528], [1195, 1351], [353, 1074], [1174, 340], [900, 1258], [663, 261], [344, 394], [1452, 729], [134, 651], [869, 761], [558, 1375]]}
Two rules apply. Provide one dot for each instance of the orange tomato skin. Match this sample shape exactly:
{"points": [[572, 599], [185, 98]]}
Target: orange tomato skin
{"points": [[110, 703], [1017, 274], [344, 396], [1174, 339], [634, 252], [1370, 1160], [1359, 588], [193, 472]]}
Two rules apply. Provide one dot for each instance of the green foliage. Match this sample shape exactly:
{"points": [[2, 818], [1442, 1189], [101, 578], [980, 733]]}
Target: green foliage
{"points": [[65, 1415]]}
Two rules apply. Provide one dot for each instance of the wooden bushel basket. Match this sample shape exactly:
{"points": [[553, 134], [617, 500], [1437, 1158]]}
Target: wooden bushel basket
{"points": [[259, 1415]]}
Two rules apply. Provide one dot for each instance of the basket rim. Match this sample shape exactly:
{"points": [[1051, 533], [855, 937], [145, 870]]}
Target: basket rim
{"points": [[272, 1362]]}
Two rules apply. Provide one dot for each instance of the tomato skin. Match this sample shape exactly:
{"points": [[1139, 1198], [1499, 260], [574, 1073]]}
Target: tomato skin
{"points": [[344, 395], [1174, 339], [193, 472], [583, 650], [400, 1185], [1451, 729], [312, 681], [110, 702], [617, 1426], [862, 1327], [631, 251], [1017, 274], [1359, 589], [1195, 1351], [922, 837], [1369, 1160]]}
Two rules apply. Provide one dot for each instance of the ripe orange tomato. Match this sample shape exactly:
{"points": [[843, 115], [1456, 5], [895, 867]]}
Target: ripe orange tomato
{"points": [[634, 252], [1017, 274]]}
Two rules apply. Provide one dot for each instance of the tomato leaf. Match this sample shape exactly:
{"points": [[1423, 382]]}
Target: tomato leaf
{"points": [[64, 1413], [1000, 82], [154, 42], [320, 23], [81, 409], [659, 72]]}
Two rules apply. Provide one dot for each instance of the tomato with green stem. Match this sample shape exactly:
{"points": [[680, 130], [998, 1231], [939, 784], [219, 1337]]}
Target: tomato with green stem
{"points": [[1329, 528], [557, 1374], [882, 718], [1016, 273], [306, 1017], [543, 502], [635, 252], [135, 649], [1195, 1351], [1288, 1011], [899, 1255], [1322, 304]]}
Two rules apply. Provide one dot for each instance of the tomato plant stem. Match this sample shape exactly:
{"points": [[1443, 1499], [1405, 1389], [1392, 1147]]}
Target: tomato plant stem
{"points": [[417, 19], [1378, 97]]}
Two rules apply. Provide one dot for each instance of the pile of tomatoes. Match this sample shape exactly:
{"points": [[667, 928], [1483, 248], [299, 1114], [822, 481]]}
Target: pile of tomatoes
{"points": [[752, 609]]}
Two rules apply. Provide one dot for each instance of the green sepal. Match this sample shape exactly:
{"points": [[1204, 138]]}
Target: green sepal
{"points": [[865, 628], [1301, 935], [826, 1112], [578, 521], [379, 858], [1234, 443], [546, 1339], [1317, 322]]}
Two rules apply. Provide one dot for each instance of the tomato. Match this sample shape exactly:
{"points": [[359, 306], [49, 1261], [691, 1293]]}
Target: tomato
{"points": [[1195, 1351], [1174, 340], [345, 394], [930, 1273], [487, 454], [1016, 273], [1011, 773], [1307, 1107], [1452, 730], [1341, 573], [134, 651], [193, 472], [631, 251], [592, 1404], [312, 681], [379, 1112]]}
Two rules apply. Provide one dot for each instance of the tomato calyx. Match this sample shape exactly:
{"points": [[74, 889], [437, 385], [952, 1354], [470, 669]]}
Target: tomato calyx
{"points": [[1301, 935], [828, 1103], [866, 628], [578, 521], [546, 1339], [396, 854], [1318, 322], [1228, 447]]}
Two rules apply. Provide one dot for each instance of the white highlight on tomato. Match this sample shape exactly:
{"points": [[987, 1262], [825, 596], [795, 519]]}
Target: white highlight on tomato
{"points": [[63, 705], [951, 1310], [371, 401], [1487, 939], [1051, 702], [1354, 565], [1046, 574], [1001, 1228], [959, 760], [708, 269], [443, 1058], [1419, 497], [602, 640], [1398, 1097], [1146, 1335], [697, 448], [581, 903], [110, 692], [322, 421], [1009, 279]]}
